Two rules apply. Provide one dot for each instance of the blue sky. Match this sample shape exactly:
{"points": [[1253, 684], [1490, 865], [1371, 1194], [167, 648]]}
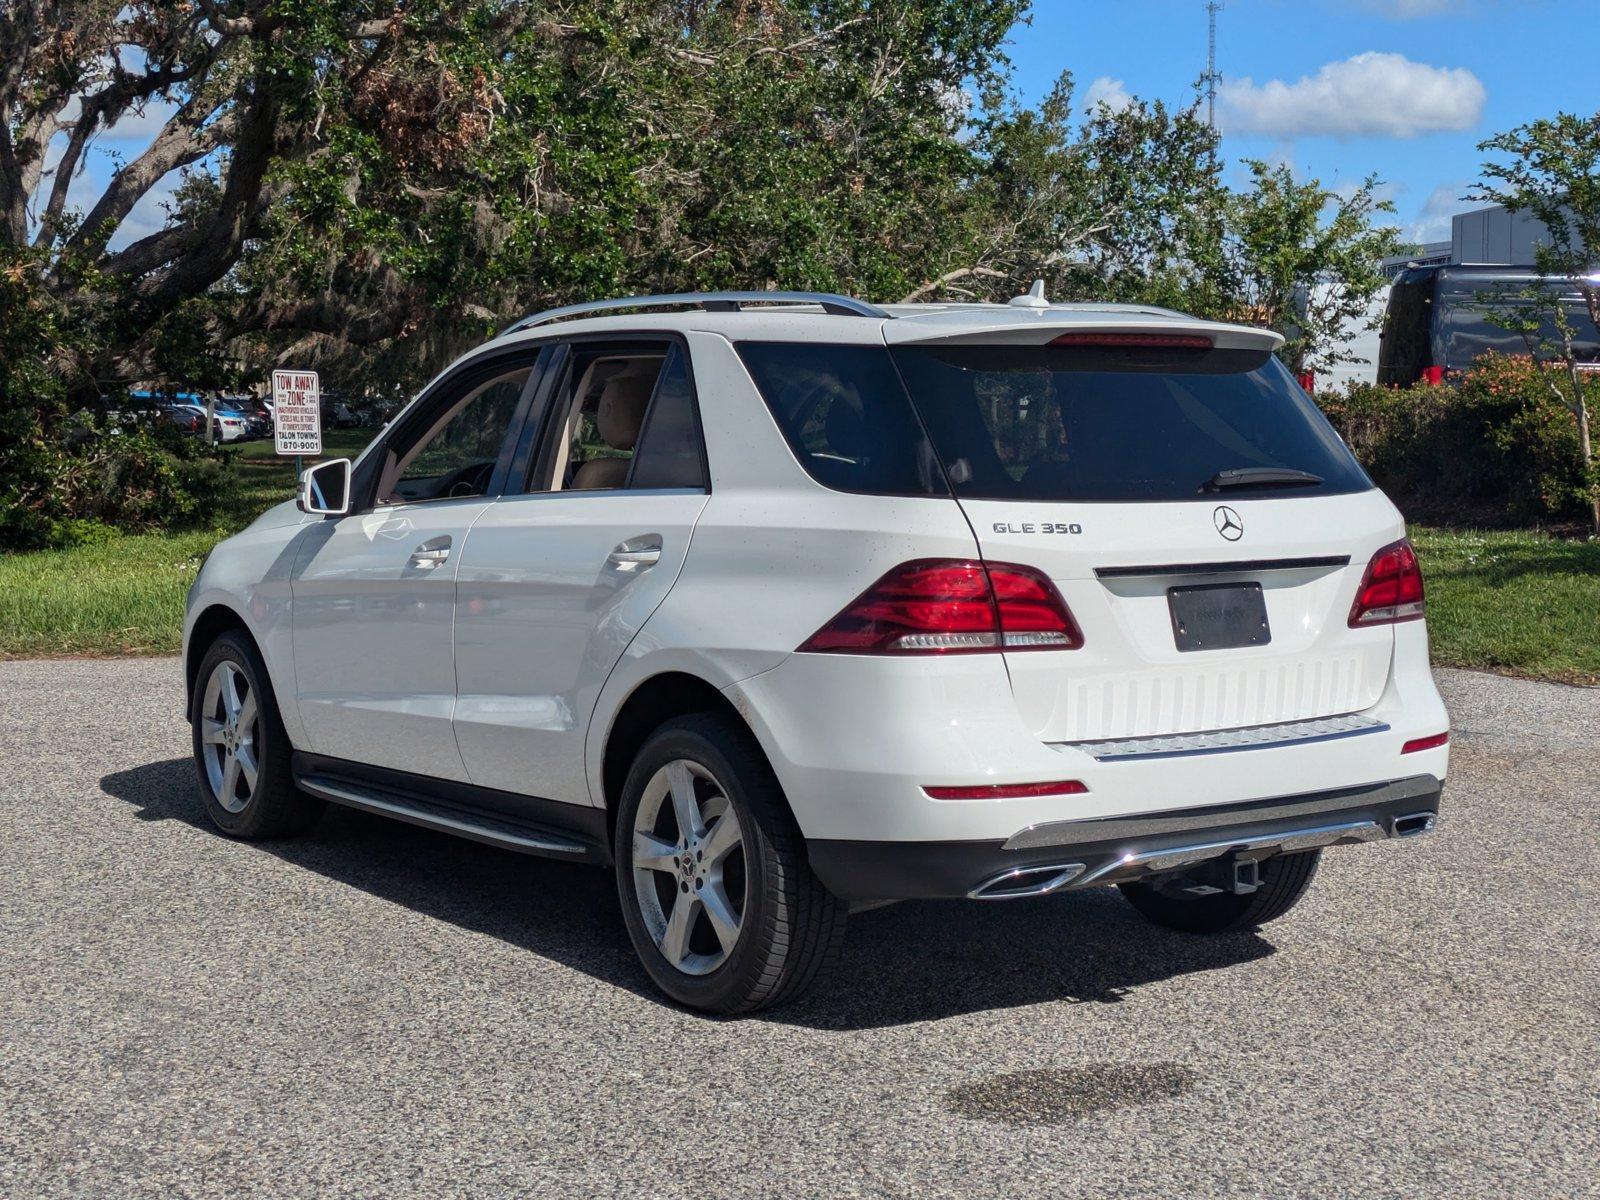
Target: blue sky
{"points": [[1338, 88]]}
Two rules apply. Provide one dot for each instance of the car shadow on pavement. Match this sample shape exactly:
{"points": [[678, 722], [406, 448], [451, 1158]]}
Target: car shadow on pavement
{"points": [[901, 964]]}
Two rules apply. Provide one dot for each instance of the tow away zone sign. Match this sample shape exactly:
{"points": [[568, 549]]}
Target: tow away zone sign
{"points": [[297, 412]]}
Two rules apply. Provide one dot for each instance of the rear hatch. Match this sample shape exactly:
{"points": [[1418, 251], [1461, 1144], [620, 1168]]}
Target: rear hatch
{"points": [[1204, 523]]}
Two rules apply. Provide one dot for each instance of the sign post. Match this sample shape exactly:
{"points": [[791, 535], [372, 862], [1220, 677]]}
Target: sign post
{"points": [[297, 415]]}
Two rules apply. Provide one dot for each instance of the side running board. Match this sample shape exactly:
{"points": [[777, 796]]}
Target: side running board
{"points": [[494, 829]]}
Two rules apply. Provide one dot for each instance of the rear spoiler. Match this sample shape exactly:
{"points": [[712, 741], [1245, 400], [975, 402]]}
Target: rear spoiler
{"points": [[1039, 329]]}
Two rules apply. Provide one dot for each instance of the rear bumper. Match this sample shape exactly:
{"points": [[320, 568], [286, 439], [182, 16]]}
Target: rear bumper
{"points": [[856, 741], [1063, 855]]}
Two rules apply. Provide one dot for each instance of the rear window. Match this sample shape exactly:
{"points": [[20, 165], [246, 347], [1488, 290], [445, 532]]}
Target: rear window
{"points": [[1046, 423], [1406, 349], [1092, 423]]}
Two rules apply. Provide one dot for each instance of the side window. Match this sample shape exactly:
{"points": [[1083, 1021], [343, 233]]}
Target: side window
{"points": [[846, 416], [668, 454], [625, 418], [456, 456]]}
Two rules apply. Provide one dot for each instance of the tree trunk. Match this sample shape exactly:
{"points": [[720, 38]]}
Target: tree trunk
{"points": [[1587, 451], [1585, 446]]}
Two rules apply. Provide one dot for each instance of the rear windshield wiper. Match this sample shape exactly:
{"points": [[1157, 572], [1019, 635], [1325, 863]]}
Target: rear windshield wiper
{"points": [[1246, 477]]}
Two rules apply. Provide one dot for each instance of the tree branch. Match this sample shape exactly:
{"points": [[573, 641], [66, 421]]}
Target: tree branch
{"points": [[183, 140], [949, 277]]}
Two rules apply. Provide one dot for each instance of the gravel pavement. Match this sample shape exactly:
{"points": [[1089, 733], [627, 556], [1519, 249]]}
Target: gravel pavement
{"points": [[382, 1011]]}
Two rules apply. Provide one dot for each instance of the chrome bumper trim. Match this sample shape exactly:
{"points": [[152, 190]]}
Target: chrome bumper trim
{"points": [[1135, 863], [1223, 741]]}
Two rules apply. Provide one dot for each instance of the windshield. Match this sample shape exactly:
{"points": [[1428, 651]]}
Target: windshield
{"points": [[1084, 423]]}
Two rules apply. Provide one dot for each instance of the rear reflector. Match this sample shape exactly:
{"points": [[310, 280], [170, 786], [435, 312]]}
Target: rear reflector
{"points": [[1391, 589], [1425, 743], [1008, 791], [1137, 341], [951, 606]]}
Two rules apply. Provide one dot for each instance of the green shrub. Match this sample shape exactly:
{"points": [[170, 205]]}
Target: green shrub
{"points": [[65, 477], [81, 531], [142, 479], [1496, 448], [1534, 434]]}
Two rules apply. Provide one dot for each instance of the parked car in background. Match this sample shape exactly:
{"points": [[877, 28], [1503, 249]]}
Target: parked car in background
{"points": [[236, 419], [259, 414], [229, 425], [780, 605], [183, 417], [339, 414], [1440, 319]]}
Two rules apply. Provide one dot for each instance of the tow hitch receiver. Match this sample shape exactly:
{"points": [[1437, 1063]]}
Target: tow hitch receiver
{"points": [[1241, 876]]}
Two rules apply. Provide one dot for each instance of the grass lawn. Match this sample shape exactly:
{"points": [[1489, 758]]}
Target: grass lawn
{"points": [[1519, 603], [125, 596], [1522, 603]]}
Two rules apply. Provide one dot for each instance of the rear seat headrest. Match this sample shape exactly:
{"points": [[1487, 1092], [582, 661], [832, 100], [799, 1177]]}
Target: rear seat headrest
{"points": [[621, 409]]}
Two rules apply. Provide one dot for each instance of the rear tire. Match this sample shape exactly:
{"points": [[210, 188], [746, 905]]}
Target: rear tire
{"points": [[718, 898], [1284, 879], [241, 752]]}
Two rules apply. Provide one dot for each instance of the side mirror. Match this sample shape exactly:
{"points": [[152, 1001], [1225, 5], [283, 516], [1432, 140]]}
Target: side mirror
{"points": [[325, 488]]}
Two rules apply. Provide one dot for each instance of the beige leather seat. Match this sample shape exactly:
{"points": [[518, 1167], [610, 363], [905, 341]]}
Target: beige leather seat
{"points": [[618, 416]]}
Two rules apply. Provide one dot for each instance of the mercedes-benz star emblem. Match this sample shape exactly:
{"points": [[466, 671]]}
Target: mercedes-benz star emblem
{"points": [[1228, 523]]}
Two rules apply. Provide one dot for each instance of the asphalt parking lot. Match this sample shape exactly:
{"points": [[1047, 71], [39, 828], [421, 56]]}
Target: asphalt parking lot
{"points": [[381, 1011]]}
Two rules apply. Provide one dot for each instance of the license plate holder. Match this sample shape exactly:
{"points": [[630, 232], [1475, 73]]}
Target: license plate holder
{"points": [[1218, 616]]}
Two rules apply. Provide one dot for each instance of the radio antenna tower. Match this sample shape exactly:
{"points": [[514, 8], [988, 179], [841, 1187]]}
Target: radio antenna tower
{"points": [[1213, 7], [1212, 76]]}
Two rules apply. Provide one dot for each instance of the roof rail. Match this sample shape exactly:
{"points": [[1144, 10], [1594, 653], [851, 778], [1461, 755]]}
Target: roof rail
{"points": [[843, 306]]}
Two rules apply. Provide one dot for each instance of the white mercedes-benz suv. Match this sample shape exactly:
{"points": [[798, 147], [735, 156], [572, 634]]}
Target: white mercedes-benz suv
{"points": [[783, 604]]}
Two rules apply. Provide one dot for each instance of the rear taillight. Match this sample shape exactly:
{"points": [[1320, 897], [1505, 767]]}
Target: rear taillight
{"points": [[1391, 589], [1433, 376], [951, 606]]}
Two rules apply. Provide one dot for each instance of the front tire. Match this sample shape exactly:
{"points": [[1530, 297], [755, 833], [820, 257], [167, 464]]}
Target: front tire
{"points": [[1284, 879], [718, 898], [241, 752]]}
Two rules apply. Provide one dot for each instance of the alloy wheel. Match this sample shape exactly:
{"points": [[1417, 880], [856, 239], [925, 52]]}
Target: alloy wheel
{"points": [[689, 867], [229, 727]]}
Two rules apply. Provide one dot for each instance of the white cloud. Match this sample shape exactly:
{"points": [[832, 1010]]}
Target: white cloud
{"points": [[1433, 220], [1112, 93], [142, 126], [1370, 94], [149, 213]]}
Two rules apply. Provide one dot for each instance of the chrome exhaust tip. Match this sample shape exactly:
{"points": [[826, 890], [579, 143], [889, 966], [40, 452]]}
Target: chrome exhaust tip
{"points": [[1412, 824], [1022, 882]]}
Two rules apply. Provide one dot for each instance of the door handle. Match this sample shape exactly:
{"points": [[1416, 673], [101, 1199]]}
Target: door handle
{"points": [[637, 552], [431, 554]]}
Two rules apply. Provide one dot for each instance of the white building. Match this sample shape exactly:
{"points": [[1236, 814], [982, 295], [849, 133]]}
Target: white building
{"points": [[1490, 236]]}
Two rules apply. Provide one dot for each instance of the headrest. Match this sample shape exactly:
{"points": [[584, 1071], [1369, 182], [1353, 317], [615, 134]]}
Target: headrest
{"points": [[621, 410], [845, 427]]}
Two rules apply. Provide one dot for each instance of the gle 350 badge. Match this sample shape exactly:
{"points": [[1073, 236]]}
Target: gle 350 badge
{"points": [[1037, 527]]}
